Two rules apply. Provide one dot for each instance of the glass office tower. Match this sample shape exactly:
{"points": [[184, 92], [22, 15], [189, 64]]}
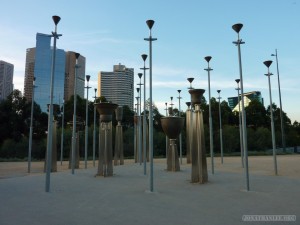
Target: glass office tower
{"points": [[42, 72], [249, 96]]}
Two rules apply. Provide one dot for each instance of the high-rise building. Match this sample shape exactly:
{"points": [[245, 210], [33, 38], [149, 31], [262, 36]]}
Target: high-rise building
{"points": [[29, 73], [70, 75], [6, 79], [39, 65], [117, 86], [42, 72], [248, 97]]}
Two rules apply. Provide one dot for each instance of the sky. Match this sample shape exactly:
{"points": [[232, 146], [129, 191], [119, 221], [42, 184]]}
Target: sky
{"points": [[113, 31]]}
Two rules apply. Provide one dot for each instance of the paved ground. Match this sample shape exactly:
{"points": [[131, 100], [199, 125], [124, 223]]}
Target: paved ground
{"points": [[81, 198]]}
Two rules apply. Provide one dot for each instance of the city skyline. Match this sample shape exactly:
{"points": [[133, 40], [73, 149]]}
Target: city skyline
{"points": [[113, 32]]}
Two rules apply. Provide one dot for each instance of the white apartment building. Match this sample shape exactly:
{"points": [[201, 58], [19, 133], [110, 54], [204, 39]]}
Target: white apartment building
{"points": [[117, 86]]}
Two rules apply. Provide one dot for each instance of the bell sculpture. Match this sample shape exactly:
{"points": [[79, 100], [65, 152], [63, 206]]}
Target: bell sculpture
{"points": [[172, 126], [189, 132], [198, 152], [79, 127], [119, 153], [54, 150], [136, 150], [105, 165]]}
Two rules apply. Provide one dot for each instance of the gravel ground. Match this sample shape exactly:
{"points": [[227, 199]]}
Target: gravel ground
{"points": [[125, 199]]}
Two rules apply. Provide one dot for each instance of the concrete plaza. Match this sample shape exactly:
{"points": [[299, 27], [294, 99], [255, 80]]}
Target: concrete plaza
{"points": [[83, 199]]}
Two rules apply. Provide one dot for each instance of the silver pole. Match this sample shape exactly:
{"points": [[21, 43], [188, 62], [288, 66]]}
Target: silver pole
{"points": [[140, 117], [150, 24], [180, 137], [144, 57], [237, 28], [268, 63], [74, 116], [240, 123], [94, 131], [105, 149], [140, 125], [56, 20], [86, 121], [166, 135], [30, 129], [139, 138], [281, 114], [208, 58], [221, 133], [134, 136], [62, 134]]}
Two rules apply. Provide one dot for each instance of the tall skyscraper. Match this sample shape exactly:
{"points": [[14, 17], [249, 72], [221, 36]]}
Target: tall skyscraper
{"points": [[70, 75], [6, 79], [248, 97], [29, 73], [117, 86], [42, 72], [39, 65]]}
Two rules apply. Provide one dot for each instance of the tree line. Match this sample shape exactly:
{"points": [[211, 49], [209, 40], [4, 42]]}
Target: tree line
{"points": [[15, 114]]}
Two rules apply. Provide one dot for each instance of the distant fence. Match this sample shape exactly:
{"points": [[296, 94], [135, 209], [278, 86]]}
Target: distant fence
{"points": [[295, 149]]}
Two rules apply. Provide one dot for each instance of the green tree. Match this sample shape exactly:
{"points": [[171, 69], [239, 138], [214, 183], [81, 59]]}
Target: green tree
{"points": [[12, 116], [231, 138], [263, 139], [127, 117], [80, 109], [256, 115]]}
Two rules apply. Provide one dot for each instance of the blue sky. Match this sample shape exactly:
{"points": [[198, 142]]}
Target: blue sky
{"points": [[113, 31]]}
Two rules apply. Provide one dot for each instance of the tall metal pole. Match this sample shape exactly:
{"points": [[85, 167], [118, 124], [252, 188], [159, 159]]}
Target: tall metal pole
{"points": [[140, 117], [74, 116], [167, 146], [139, 126], [31, 128], [268, 64], [62, 134], [171, 104], [208, 58], [86, 121], [240, 122], [56, 20], [180, 137], [144, 57], [150, 24], [221, 133], [281, 114], [135, 136], [237, 27], [94, 131]]}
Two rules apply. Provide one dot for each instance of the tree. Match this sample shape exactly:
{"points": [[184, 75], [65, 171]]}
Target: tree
{"points": [[228, 116], [156, 116], [127, 117], [231, 138], [80, 109], [12, 116], [256, 115], [277, 120]]}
